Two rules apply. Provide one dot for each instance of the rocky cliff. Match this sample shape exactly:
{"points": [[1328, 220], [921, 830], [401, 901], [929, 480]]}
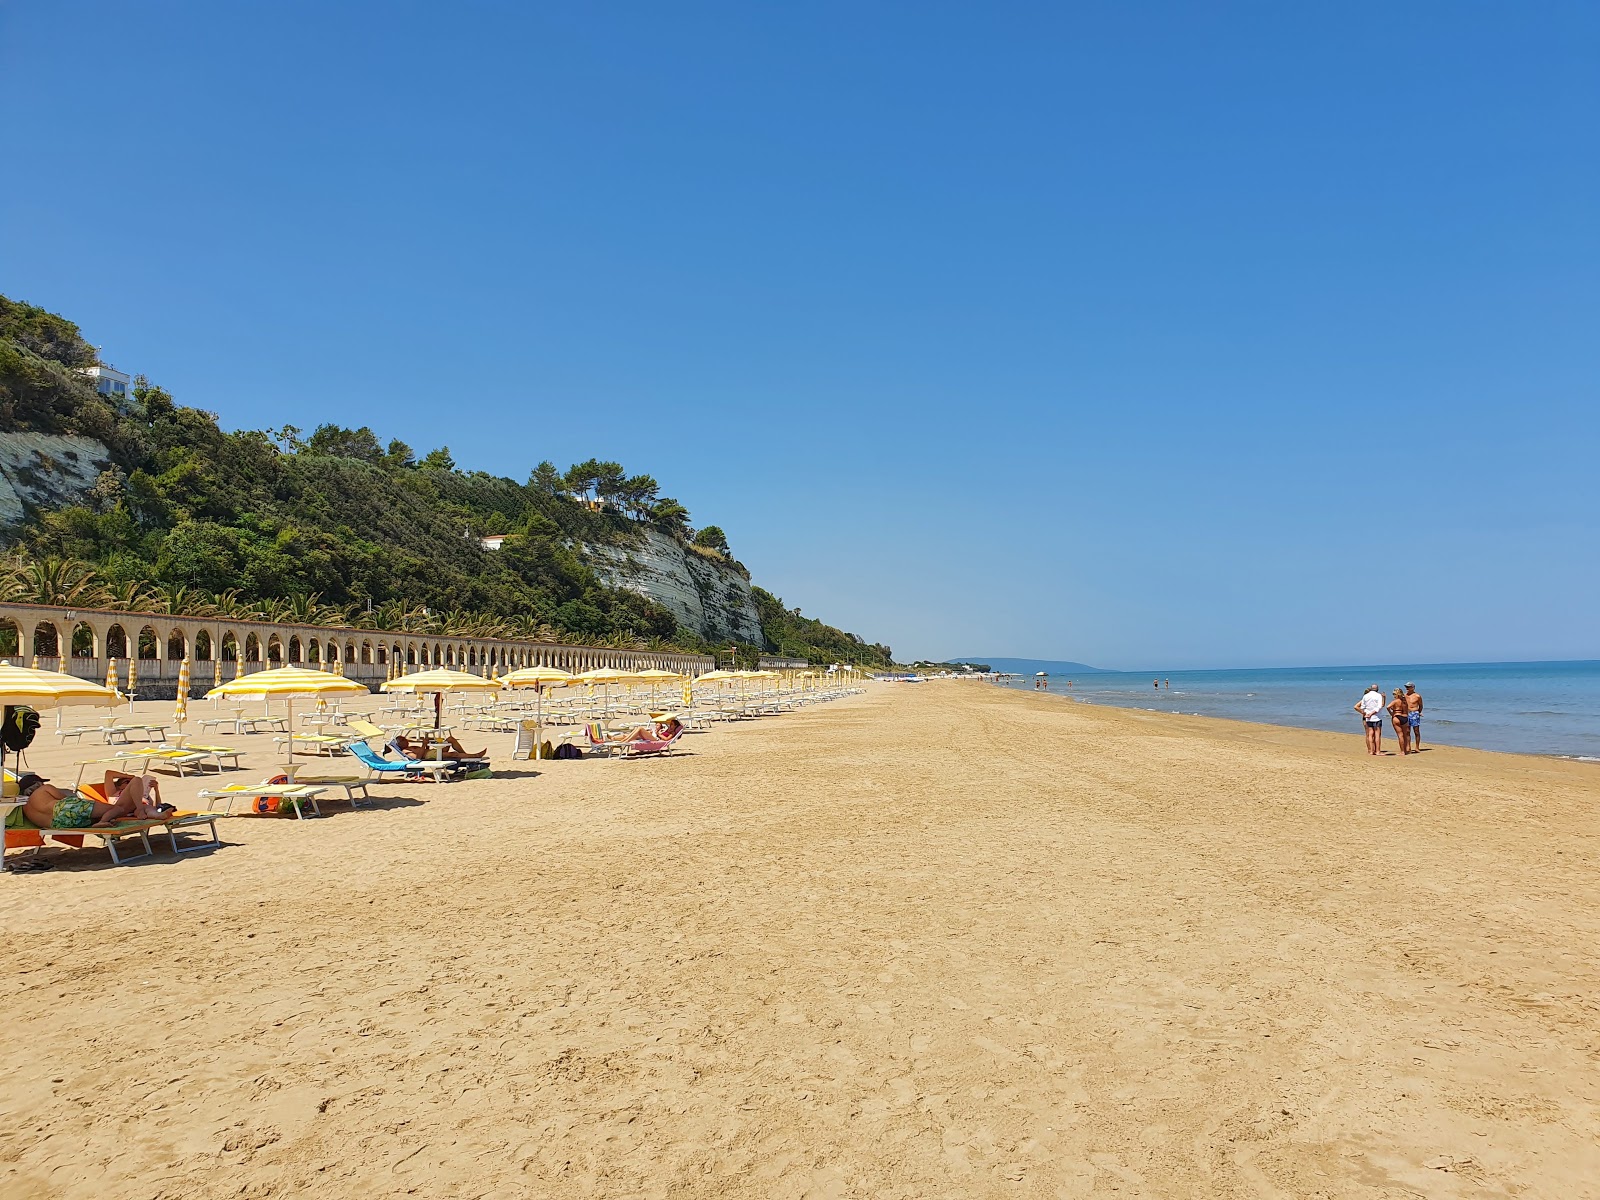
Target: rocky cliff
{"points": [[710, 597], [45, 470]]}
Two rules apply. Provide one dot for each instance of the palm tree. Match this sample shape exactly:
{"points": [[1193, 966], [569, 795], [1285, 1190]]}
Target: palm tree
{"points": [[131, 596], [63, 582]]}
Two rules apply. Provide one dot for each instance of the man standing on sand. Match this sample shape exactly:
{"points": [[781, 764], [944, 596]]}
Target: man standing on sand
{"points": [[1414, 715], [1370, 706]]}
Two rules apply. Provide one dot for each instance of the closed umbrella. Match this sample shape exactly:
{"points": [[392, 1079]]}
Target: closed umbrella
{"points": [[133, 679], [111, 673], [180, 709]]}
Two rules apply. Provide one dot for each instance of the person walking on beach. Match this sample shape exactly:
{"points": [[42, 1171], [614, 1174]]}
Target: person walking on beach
{"points": [[1370, 706], [1397, 718], [1414, 716]]}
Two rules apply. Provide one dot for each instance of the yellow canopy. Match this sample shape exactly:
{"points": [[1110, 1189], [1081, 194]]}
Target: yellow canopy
{"points": [[441, 679], [657, 673], [605, 675], [534, 676], [50, 689], [288, 681], [715, 676]]}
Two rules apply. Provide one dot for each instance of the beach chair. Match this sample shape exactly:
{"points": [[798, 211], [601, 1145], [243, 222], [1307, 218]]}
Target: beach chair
{"points": [[403, 768], [20, 834], [259, 797], [642, 747]]}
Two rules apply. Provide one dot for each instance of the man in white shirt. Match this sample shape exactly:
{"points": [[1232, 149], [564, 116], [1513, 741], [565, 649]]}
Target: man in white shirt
{"points": [[1370, 706]]}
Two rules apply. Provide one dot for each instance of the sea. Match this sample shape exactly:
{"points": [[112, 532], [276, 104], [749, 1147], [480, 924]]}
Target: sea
{"points": [[1550, 708]]}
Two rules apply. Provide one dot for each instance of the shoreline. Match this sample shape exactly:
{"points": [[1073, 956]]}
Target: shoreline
{"points": [[1091, 700]]}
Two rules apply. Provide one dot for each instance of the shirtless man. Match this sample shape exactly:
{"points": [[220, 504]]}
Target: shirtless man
{"points": [[1414, 715], [47, 807], [1370, 706]]}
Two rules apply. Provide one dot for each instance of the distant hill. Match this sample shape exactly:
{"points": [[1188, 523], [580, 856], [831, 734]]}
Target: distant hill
{"points": [[1031, 666], [137, 502]]}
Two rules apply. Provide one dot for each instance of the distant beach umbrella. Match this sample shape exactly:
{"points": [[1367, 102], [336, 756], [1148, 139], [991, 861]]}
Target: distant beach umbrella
{"points": [[216, 671], [111, 673], [133, 677], [538, 678]]}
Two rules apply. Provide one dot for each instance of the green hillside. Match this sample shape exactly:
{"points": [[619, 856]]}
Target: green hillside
{"points": [[337, 525]]}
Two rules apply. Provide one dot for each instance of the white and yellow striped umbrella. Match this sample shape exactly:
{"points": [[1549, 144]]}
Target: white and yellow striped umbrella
{"points": [[288, 682], [180, 707], [111, 673]]}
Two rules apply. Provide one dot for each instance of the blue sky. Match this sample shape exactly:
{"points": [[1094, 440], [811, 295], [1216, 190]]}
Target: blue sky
{"points": [[1143, 335]]}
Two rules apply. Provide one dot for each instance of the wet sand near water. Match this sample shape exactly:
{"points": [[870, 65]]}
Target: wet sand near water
{"points": [[937, 940]]}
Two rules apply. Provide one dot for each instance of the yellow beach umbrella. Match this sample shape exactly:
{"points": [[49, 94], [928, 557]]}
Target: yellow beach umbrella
{"points": [[25, 687], [537, 678], [288, 682], [133, 676], [439, 681], [216, 670], [180, 708], [605, 677], [111, 673]]}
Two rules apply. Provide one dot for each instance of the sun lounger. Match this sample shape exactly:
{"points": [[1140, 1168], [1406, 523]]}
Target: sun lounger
{"points": [[296, 794], [400, 768]]}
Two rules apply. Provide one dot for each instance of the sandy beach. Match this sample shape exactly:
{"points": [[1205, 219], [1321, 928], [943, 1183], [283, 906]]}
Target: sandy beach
{"points": [[940, 940]]}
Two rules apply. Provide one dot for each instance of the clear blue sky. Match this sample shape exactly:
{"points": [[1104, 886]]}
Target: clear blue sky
{"points": [[1149, 335]]}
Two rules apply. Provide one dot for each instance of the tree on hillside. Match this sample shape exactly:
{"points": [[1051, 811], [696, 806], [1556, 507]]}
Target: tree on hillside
{"points": [[712, 538], [338, 442], [438, 460], [546, 480]]}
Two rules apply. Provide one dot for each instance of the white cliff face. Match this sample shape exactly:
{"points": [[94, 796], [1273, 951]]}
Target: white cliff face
{"points": [[705, 596], [46, 470]]}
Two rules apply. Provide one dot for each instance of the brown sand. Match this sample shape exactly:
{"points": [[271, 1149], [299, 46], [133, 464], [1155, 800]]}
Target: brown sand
{"points": [[934, 941]]}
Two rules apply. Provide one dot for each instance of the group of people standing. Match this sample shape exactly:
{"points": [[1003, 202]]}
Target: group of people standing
{"points": [[1404, 711]]}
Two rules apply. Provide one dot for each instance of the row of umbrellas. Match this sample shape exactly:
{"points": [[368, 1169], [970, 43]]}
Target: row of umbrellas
{"points": [[26, 686]]}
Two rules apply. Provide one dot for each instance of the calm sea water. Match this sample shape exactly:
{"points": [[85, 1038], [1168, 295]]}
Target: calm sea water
{"points": [[1527, 708]]}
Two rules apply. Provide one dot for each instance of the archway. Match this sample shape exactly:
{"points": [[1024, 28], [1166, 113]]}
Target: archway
{"points": [[275, 650], [46, 641], [176, 646], [10, 638], [116, 642], [313, 651], [83, 641], [149, 643], [230, 647], [202, 646], [294, 649], [252, 648]]}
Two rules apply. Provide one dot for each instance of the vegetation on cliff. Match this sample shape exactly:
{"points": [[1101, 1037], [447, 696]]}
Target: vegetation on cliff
{"points": [[336, 527]]}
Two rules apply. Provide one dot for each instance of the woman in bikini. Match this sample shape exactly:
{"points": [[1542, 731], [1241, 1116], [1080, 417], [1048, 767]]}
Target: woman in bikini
{"points": [[1399, 718], [46, 807]]}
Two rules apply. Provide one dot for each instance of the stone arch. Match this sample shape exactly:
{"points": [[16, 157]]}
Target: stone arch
{"points": [[411, 654], [177, 646], [275, 649], [149, 643], [229, 648], [313, 650], [366, 653], [294, 648], [252, 648], [46, 640], [203, 650], [85, 642], [116, 642], [10, 638]]}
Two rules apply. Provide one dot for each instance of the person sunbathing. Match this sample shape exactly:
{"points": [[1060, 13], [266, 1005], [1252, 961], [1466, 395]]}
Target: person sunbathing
{"points": [[421, 750], [136, 796], [659, 731]]}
